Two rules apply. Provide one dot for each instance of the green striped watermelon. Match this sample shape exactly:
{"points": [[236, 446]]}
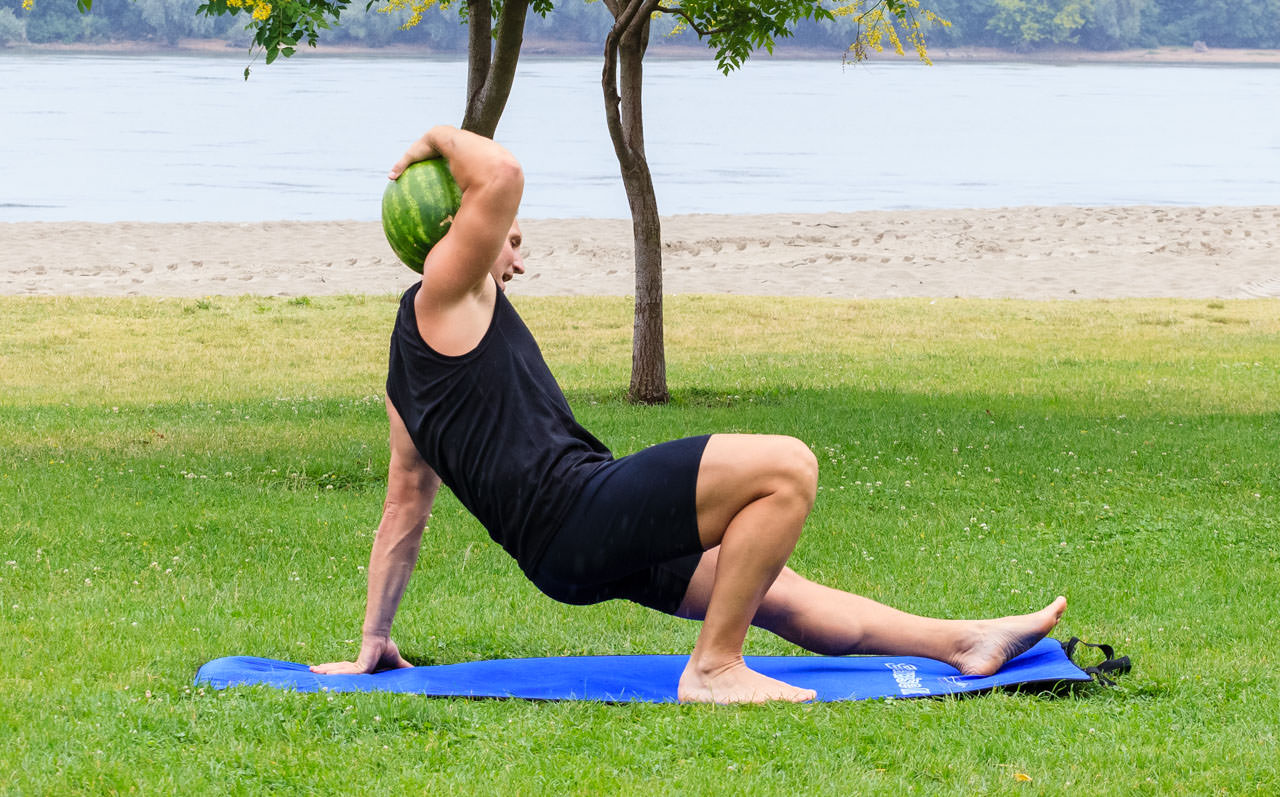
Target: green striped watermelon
{"points": [[417, 209]]}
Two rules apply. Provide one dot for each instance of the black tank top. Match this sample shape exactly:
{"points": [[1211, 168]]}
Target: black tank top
{"points": [[495, 426]]}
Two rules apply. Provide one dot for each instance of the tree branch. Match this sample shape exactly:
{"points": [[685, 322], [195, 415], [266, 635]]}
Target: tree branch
{"points": [[502, 72], [693, 25], [624, 13], [479, 56], [493, 63]]}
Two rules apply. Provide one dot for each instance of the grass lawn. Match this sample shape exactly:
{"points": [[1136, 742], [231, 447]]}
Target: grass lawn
{"points": [[182, 480]]}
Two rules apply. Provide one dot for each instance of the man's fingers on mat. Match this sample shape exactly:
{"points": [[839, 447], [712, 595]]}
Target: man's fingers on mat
{"points": [[341, 668], [388, 659]]}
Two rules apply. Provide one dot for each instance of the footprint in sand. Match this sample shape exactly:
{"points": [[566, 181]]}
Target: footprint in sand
{"points": [[1262, 289]]}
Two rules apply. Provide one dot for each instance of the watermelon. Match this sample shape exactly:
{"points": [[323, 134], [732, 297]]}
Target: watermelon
{"points": [[417, 209]]}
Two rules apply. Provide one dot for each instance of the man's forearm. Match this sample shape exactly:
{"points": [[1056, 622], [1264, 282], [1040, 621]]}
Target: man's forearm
{"points": [[391, 563]]}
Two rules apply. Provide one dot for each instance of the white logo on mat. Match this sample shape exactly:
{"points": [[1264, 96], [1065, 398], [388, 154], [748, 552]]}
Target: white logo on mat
{"points": [[908, 681]]}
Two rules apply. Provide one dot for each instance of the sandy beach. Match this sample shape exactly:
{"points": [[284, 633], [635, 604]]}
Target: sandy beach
{"points": [[1029, 253]]}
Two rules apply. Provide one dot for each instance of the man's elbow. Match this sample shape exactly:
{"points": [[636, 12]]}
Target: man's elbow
{"points": [[413, 509], [408, 491], [507, 175]]}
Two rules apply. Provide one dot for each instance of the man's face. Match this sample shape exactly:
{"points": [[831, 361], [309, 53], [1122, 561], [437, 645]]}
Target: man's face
{"points": [[509, 262]]}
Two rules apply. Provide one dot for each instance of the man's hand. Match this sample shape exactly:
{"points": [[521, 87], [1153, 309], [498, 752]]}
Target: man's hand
{"points": [[419, 150], [376, 654]]}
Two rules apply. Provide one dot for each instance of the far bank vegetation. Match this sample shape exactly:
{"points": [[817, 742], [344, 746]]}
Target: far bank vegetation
{"points": [[1024, 26]]}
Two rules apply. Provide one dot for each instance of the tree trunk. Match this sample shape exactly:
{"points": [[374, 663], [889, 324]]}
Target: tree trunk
{"points": [[625, 47], [491, 64], [479, 55]]}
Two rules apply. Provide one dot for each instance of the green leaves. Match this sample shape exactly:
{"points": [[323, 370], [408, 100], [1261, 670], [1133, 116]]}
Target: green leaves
{"points": [[735, 29], [279, 26]]}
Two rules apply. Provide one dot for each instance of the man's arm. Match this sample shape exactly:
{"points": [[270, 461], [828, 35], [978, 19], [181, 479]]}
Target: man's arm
{"points": [[492, 184], [411, 490]]}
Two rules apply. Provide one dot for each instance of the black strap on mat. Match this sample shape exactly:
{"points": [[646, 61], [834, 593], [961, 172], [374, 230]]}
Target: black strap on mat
{"points": [[1112, 663]]}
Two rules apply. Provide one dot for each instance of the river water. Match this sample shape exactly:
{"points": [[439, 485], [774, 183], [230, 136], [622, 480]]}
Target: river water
{"points": [[185, 138]]}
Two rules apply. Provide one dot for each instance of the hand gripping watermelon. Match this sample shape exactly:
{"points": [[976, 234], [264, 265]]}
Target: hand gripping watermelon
{"points": [[417, 209]]}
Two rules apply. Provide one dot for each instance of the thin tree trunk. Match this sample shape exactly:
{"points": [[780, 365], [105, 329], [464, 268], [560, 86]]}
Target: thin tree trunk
{"points": [[491, 63], [479, 53], [625, 48]]}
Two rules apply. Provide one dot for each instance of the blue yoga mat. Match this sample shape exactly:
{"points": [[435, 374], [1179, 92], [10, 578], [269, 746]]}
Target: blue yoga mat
{"points": [[653, 679]]}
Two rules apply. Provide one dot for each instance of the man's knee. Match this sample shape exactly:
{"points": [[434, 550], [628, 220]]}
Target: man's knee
{"points": [[798, 466], [738, 470]]}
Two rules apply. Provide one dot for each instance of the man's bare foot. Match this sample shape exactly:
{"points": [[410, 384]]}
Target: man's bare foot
{"points": [[736, 683], [994, 642]]}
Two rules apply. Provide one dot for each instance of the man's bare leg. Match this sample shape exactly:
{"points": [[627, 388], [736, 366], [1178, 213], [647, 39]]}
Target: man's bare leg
{"points": [[753, 496], [835, 623]]}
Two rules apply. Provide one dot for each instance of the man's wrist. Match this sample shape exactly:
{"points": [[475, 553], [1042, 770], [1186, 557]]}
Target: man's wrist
{"points": [[436, 136]]}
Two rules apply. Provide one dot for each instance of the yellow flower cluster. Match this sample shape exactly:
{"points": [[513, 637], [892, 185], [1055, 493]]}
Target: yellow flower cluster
{"points": [[416, 9], [259, 8], [878, 22], [27, 4]]}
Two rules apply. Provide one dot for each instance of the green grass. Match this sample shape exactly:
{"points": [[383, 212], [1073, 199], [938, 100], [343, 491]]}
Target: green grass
{"points": [[182, 480]]}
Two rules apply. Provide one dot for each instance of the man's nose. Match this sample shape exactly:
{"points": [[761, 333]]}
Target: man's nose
{"points": [[517, 263]]}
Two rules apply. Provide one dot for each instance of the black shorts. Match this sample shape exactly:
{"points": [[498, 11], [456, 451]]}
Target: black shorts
{"points": [[632, 533]]}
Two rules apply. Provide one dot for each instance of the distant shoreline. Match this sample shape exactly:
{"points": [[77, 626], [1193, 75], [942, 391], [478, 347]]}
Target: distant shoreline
{"points": [[535, 48]]}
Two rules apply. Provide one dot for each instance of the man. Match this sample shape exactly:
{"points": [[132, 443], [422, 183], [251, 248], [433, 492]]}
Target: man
{"points": [[700, 528]]}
